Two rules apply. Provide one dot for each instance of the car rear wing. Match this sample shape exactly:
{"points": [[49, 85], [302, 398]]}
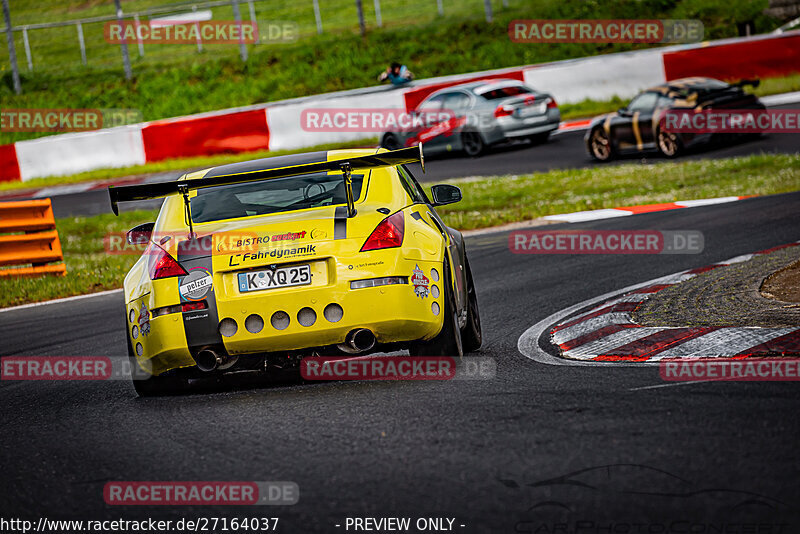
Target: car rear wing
{"points": [[744, 83], [346, 165]]}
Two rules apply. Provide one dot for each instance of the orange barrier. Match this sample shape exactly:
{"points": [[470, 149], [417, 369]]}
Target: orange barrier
{"points": [[33, 251]]}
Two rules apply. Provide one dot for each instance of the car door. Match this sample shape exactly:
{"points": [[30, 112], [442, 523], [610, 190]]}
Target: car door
{"points": [[627, 127], [459, 103], [430, 107], [641, 109]]}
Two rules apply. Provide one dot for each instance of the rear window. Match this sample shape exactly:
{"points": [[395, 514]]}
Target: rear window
{"points": [[272, 196], [505, 92]]}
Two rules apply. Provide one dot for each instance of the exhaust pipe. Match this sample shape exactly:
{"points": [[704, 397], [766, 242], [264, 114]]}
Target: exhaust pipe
{"points": [[358, 340], [208, 360]]}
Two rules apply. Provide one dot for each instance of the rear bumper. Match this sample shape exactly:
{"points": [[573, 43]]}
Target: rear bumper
{"points": [[513, 127], [394, 313]]}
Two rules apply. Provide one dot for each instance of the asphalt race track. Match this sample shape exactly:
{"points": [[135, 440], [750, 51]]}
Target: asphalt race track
{"points": [[563, 151], [535, 445]]}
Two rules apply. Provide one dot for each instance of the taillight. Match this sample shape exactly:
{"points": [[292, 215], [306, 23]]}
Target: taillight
{"points": [[185, 307], [551, 103], [388, 234], [193, 306], [162, 265], [503, 111]]}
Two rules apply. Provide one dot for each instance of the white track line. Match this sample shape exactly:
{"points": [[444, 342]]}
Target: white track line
{"points": [[673, 384], [56, 301]]}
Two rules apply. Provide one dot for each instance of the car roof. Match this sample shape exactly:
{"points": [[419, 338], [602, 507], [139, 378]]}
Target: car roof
{"points": [[480, 84], [288, 160], [683, 86]]}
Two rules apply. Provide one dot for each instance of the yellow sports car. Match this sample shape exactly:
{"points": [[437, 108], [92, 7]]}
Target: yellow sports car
{"points": [[255, 265]]}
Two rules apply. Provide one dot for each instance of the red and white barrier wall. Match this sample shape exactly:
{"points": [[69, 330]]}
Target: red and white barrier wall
{"points": [[277, 126]]}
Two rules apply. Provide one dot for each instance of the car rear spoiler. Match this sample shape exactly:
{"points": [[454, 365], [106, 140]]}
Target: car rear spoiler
{"points": [[743, 83], [346, 165]]}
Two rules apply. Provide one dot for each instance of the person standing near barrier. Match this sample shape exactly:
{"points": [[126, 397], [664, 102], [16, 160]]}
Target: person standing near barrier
{"points": [[397, 74]]}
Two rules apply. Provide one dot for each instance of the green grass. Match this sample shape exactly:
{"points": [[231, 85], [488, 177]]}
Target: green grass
{"points": [[174, 82], [775, 86], [89, 268], [505, 199], [487, 202], [181, 165], [590, 108], [584, 109]]}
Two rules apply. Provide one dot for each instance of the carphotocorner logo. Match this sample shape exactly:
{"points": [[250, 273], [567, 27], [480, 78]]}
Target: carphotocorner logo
{"points": [[606, 31], [605, 242], [201, 493], [66, 120]]}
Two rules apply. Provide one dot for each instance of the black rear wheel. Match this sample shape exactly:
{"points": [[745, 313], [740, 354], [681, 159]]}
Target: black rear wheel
{"points": [[448, 341], [669, 144], [473, 144], [600, 145], [471, 336]]}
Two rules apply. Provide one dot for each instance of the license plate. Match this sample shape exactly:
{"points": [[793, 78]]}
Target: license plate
{"points": [[533, 120], [536, 109], [297, 275]]}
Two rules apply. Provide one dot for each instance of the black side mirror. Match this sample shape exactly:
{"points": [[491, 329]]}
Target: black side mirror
{"points": [[623, 112], [445, 194], [140, 235]]}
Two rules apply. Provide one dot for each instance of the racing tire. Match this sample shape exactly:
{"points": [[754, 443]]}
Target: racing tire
{"points": [[448, 341], [668, 143], [473, 144], [600, 145], [391, 142], [156, 386], [471, 336]]}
